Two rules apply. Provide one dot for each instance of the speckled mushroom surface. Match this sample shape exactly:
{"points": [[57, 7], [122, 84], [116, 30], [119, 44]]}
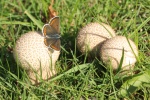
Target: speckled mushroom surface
{"points": [[92, 35], [31, 52], [112, 49]]}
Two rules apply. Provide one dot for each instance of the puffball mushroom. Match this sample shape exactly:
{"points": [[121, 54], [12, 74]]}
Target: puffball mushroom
{"points": [[112, 50], [34, 56], [92, 35]]}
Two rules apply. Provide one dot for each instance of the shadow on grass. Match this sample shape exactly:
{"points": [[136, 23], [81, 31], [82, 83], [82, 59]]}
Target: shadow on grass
{"points": [[9, 69]]}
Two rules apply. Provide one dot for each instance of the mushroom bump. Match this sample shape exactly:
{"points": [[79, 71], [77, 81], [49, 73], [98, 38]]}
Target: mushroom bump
{"points": [[112, 51], [92, 35]]}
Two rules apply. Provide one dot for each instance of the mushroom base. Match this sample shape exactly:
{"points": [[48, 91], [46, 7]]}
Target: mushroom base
{"points": [[40, 75]]}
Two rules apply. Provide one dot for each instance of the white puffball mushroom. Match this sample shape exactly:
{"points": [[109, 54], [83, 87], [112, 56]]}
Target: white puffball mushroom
{"points": [[34, 56], [92, 35], [111, 52]]}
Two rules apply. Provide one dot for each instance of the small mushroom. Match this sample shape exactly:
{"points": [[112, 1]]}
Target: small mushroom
{"points": [[92, 35], [34, 56], [113, 49]]}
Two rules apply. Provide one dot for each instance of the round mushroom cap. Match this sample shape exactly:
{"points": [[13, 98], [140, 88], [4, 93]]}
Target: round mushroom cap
{"points": [[92, 35], [31, 52], [113, 49]]}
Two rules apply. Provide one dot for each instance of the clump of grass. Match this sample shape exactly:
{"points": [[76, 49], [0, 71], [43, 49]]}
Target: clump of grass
{"points": [[78, 77]]}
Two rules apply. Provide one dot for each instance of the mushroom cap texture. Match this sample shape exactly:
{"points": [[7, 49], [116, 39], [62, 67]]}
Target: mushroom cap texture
{"points": [[31, 52], [92, 35], [112, 49]]}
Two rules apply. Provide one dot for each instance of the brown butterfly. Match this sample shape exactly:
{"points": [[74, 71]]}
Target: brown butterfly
{"points": [[51, 33]]}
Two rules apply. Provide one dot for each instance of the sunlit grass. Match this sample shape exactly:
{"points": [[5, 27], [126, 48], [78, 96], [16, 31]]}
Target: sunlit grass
{"points": [[78, 76]]}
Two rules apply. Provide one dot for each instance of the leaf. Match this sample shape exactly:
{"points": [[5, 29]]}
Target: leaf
{"points": [[52, 12], [134, 83]]}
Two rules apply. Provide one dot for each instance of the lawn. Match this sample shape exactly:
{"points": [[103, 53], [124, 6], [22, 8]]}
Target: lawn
{"points": [[79, 77]]}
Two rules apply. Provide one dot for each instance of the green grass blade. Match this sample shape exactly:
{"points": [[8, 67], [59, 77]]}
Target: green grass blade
{"points": [[143, 24], [15, 22], [121, 61], [36, 22], [72, 70]]}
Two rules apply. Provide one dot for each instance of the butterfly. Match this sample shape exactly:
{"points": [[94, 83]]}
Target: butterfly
{"points": [[51, 33]]}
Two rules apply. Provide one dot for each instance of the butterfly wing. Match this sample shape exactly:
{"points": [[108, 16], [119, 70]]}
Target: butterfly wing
{"points": [[54, 23], [51, 33], [48, 30], [52, 43]]}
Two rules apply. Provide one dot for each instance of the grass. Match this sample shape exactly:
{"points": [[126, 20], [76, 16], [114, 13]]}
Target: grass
{"points": [[77, 76]]}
